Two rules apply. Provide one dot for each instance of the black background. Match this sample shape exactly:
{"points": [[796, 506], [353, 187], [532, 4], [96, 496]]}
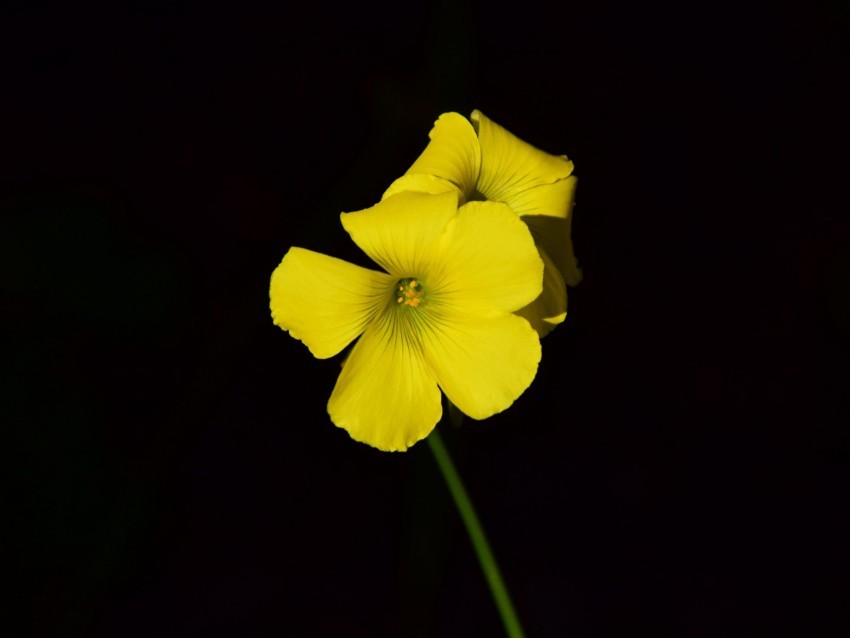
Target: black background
{"points": [[679, 467]]}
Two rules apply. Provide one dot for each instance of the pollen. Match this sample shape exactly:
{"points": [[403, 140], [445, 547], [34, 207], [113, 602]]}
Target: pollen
{"points": [[409, 292]]}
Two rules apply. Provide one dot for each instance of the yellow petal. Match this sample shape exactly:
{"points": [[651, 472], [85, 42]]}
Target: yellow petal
{"points": [[421, 183], [325, 302], [488, 262], [510, 165], [453, 153], [555, 237], [400, 232], [553, 200], [482, 365], [550, 308], [385, 395]]}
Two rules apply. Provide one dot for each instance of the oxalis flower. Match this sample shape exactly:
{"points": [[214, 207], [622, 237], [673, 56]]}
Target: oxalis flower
{"points": [[480, 160], [438, 317]]}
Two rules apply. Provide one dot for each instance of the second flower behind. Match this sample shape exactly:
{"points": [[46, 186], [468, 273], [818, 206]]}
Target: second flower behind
{"points": [[480, 160]]}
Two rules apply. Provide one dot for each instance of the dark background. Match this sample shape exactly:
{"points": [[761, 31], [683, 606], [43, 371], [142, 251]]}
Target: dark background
{"points": [[679, 467]]}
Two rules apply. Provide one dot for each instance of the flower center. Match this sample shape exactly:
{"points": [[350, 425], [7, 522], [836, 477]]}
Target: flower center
{"points": [[408, 291]]}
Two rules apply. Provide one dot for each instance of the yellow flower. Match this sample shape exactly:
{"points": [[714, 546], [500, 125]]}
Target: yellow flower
{"points": [[483, 161], [439, 317]]}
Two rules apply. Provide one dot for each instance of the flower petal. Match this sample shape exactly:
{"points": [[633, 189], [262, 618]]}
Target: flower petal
{"points": [[323, 301], [400, 232], [555, 237], [385, 395], [453, 153], [550, 308], [482, 365], [553, 200], [510, 165], [421, 183], [488, 263]]}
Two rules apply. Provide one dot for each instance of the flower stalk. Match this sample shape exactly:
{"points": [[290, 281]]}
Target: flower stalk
{"points": [[476, 534]]}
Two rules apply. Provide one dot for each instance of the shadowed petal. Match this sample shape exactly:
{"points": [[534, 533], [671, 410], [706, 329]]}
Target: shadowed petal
{"points": [[400, 232], [482, 366], [510, 165], [554, 235], [453, 153], [550, 308], [488, 262], [385, 395], [323, 301]]}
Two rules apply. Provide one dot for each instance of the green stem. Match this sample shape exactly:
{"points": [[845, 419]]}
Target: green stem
{"points": [[476, 535]]}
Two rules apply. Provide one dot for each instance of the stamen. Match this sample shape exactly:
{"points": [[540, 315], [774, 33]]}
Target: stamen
{"points": [[408, 294]]}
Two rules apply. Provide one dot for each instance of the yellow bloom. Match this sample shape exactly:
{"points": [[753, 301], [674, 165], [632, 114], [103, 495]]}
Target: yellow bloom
{"points": [[439, 317], [483, 161]]}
